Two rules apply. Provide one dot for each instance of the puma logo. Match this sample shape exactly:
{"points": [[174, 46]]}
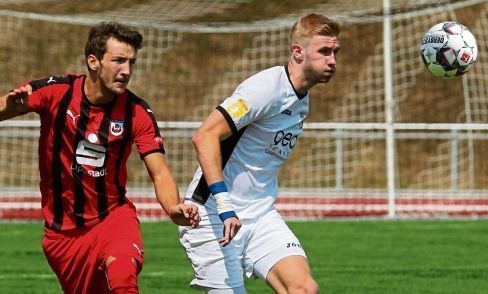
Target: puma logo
{"points": [[74, 117]]}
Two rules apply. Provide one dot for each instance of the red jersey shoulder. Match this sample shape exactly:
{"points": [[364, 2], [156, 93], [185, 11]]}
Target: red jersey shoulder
{"points": [[145, 127], [53, 80], [48, 92], [141, 109]]}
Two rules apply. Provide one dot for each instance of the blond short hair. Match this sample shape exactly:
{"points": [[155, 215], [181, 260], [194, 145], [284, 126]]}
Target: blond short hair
{"points": [[313, 24]]}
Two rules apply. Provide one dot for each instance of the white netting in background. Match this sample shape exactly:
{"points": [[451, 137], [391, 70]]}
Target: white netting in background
{"points": [[185, 70]]}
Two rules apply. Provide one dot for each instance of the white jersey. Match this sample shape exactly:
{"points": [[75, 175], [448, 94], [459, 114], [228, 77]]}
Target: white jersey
{"points": [[266, 116]]}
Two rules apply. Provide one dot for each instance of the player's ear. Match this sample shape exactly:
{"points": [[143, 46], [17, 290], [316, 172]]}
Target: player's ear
{"points": [[297, 51], [93, 62]]}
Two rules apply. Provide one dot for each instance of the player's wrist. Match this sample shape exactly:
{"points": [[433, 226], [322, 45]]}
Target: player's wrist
{"points": [[222, 198]]}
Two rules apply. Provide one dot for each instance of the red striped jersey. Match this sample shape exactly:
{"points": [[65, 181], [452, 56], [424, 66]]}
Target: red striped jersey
{"points": [[83, 149]]}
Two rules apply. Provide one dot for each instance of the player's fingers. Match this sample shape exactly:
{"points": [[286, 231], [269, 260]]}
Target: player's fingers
{"points": [[194, 210], [182, 209], [196, 217], [232, 233], [222, 242], [226, 235], [29, 89]]}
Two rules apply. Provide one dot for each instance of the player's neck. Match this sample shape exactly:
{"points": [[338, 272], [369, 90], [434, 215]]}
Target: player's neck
{"points": [[298, 80], [94, 92]]}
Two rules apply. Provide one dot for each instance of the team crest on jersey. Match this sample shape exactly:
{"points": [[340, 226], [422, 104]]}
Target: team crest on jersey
{"points": [[237, 109], [116, 127]]}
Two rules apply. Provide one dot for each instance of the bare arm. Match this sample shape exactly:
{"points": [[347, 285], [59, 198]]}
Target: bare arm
{"points": [[206, 141], [207, 145], [15, 102], [167, 192]]}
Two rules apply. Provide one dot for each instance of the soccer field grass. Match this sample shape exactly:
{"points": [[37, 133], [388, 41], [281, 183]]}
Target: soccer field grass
{"points": [[346, 256]]}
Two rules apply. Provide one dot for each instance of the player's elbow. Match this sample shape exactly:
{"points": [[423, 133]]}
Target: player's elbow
{"points": [[198, 139]]}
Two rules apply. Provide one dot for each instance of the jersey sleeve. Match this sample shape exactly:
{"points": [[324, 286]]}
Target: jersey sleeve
{"points": [[255, 98], [146, 132]]}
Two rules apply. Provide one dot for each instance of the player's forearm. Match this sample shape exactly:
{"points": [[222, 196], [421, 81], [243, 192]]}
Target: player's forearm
{"points": [[208, 153], [167, 194], [209, 157]]}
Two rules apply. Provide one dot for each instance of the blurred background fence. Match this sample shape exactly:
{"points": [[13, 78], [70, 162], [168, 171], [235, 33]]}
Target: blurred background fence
{"points": [[196, 52]]}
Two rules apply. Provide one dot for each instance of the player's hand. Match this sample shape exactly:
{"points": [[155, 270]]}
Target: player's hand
{"points": [[231, 227], [17, 99], [185, 215]]}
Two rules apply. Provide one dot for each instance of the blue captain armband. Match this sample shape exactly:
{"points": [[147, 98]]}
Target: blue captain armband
{"points": [[222, 198]]}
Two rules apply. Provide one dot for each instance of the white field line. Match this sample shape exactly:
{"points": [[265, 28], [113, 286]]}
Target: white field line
{"points": [[17, 276]]}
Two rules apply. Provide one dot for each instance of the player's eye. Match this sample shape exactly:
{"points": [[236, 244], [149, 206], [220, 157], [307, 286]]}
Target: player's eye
{"points": [[120, 60], [326, 51]]}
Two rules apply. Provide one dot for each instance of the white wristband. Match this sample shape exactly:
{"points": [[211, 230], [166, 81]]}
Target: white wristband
{"points": [[222, 198], [223, 202]]}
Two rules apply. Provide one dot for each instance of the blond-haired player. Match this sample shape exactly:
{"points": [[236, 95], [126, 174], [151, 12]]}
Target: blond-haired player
{"points": [[240, 148]]}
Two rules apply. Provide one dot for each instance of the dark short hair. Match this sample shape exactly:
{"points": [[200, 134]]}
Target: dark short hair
{"points": [[99, 34]]}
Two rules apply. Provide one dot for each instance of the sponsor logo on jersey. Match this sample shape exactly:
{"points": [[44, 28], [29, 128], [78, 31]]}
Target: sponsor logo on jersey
{"points": [[90, 154], [92, 173], [283, 144], [51, 80], [237, 109], [116, 127]]}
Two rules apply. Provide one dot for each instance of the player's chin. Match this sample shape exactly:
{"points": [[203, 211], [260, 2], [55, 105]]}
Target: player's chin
{"points": [[119, 89], [325, 79]]}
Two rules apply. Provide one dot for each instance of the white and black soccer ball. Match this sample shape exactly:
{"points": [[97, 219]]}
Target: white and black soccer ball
{"points": [[449, 49]]}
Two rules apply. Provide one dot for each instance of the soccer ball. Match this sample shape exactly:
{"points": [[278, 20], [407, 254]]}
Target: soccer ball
{"points": [[449, 49]]}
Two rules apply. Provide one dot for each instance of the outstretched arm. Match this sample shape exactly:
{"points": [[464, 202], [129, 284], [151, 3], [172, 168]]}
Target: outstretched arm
{"points": [[15, 102], [167, 192], [207, 145]]}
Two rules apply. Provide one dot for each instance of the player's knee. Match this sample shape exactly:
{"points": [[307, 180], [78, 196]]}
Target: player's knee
{"points": [[309, 286], [121, 274]]}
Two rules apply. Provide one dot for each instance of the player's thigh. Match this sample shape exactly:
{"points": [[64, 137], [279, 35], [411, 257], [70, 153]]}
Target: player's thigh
{"points": [[72, 258], [271, 241], [291, 274], [121, 237], [214, 266]]}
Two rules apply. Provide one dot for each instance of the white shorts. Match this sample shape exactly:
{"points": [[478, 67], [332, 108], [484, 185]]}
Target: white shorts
{"points": [[256, 248]]}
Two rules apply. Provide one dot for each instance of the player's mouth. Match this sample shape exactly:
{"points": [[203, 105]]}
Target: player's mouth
{"points": [[121, 83]]}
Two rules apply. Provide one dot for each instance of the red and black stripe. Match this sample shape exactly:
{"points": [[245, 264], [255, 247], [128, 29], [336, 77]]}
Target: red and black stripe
{"points": [[57, 165]]}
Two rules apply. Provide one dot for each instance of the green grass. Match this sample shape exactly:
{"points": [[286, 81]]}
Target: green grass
{"points": [[374, 256]]}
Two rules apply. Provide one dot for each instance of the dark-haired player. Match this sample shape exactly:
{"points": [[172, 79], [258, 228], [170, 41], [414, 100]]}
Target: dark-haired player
{"points": [[88, 125]]}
